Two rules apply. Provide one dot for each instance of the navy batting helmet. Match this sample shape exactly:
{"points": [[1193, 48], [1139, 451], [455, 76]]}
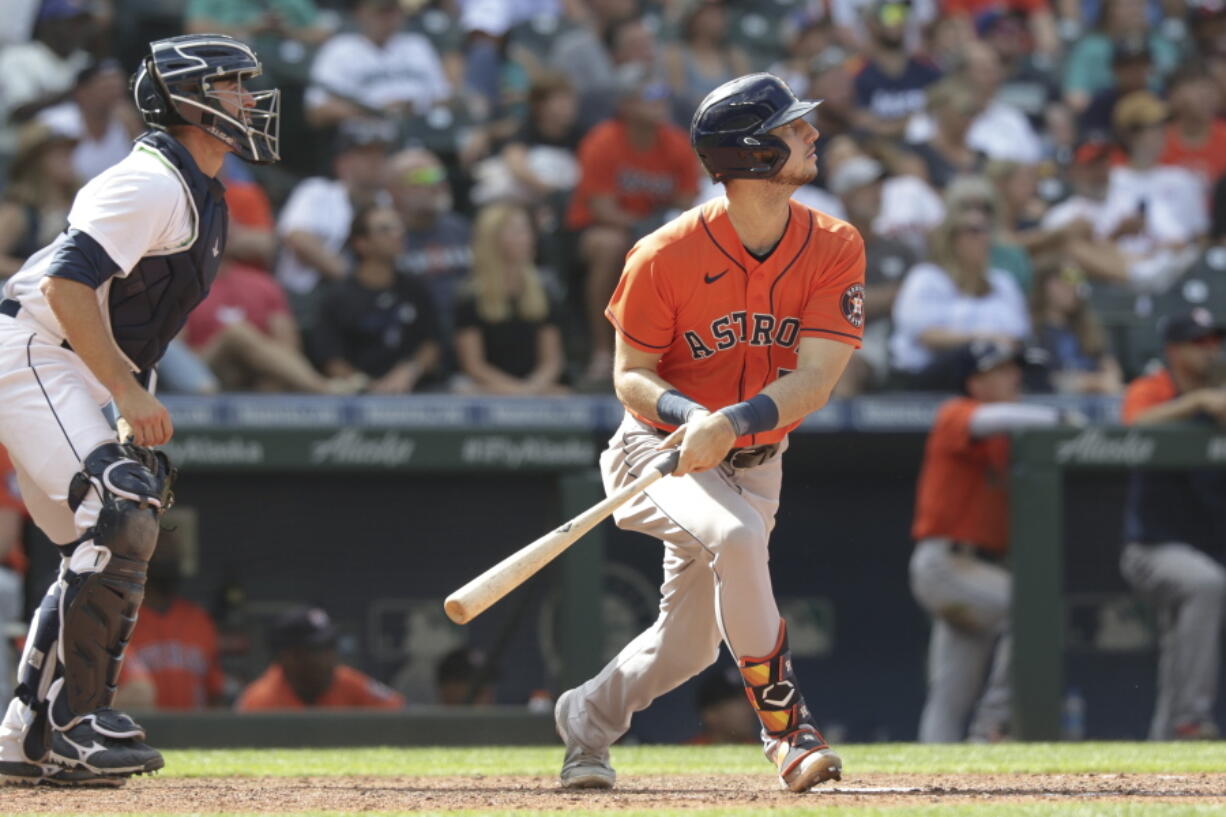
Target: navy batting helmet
{"points": [[729, 131], [175, 85]]}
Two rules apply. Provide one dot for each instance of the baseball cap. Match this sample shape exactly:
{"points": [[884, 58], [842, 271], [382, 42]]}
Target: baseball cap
{"points": [[984, 355], [1191, 326], [352, 134], [855, 173], [306, 627], [64, 9]]}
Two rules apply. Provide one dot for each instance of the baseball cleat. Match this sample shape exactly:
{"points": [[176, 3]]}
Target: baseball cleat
{"points": [[83, 747], [804, 760], [582, 768], [21, 773]]}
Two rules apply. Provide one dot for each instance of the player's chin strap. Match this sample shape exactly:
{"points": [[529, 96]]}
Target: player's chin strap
{"points": [[774, 693]]}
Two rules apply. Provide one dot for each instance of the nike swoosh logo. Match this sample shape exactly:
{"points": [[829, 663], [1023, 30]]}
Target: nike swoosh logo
{"points": [[711, 279]]}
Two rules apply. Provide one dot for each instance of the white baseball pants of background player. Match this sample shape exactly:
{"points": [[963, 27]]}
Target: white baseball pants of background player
{"points": [[715, 526], [50, 419], [1187, 589], [969, 648]]}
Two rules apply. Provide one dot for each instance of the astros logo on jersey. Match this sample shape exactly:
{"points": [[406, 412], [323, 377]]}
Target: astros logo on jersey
{"points": [[852, 304]]}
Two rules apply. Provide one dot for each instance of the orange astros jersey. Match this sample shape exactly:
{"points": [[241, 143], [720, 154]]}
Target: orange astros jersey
{"points": [[726, 324]]}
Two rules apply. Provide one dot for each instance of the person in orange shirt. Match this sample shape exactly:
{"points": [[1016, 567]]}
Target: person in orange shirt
{"points": [[175, 638], [733, 322], [306, 672], [958, 572], [634, 168], [1196, 137], [1173, 522]]}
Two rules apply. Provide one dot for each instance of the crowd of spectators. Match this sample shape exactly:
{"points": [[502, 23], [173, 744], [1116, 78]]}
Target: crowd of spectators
{"points": [[461, 179]]}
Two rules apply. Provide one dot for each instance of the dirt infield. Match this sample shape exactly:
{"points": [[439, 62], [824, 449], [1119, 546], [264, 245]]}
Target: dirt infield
{"points": [[367, 794]]}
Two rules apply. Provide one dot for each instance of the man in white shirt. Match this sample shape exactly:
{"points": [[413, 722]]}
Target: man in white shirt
{"points": [[1155, 214], [378, 70], [98, 117], [314, 222]]}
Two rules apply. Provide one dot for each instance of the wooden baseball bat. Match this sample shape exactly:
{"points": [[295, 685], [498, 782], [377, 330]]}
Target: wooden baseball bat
{"points": [[478, 595]]}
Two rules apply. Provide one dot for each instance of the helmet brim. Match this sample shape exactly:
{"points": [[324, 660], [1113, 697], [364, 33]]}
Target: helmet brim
{"points": [[796, 110]]}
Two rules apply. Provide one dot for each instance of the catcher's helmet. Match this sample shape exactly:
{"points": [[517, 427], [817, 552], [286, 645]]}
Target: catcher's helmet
{"points": [[175, 85], [729, 129]]}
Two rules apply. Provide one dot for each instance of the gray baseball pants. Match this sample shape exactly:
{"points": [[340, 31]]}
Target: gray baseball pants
{"points": [[969, 648], [1187, 589], [714, 526]]}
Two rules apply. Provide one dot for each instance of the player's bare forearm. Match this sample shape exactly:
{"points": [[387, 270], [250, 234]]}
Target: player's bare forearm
{"points": [[76, 308], [1183, 407], [635, 380], [819, 366]]}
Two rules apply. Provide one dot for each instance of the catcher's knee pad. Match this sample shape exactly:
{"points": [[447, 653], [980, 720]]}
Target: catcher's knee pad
{"points": [[773, 690], [99, 608]]}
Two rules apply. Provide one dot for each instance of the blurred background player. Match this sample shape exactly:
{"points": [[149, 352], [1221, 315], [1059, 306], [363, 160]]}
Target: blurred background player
{"points": [[1173, 523], [958, 570], [306, 670], [175, 639], [723, 711]]}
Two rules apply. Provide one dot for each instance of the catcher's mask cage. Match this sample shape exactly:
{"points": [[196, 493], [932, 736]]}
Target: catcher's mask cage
{"points": [[177, 84]]}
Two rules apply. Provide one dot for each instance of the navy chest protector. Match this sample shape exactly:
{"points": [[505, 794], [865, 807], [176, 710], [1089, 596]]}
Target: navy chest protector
{"points": [[150, 305]]}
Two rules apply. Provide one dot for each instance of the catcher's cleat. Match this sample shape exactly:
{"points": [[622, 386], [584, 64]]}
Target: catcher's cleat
{"points": [[84, 747], [803, 760], [21, 773], [582, 767]]}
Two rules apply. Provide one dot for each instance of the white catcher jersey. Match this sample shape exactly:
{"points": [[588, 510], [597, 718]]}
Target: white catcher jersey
{"points": [[136, 208]]}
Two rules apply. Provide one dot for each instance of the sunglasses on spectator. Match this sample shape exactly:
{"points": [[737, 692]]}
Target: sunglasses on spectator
{"points": [[423, 176], [971, 229]]}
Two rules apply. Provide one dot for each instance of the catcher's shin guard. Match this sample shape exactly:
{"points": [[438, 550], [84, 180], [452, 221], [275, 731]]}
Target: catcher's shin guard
{"points": [[790, 738], [99, 607]]}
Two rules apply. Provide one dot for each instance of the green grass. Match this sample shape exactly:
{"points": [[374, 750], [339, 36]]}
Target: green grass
{"points": [[1067, 758]]}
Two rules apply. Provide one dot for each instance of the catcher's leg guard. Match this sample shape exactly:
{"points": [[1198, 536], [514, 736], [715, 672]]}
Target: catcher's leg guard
{"points": [[99, 606], [790, 738], [25, 734]]}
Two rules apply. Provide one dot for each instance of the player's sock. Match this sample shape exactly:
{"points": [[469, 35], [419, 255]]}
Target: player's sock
{"points": [[774, 692]]}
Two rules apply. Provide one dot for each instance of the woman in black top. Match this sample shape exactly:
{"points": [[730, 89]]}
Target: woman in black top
{"points": [[378, 321], [507, 338]]}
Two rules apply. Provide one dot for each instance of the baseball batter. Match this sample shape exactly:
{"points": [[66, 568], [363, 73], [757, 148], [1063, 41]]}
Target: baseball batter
{"points": [[82, 324], [711, 312]]}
